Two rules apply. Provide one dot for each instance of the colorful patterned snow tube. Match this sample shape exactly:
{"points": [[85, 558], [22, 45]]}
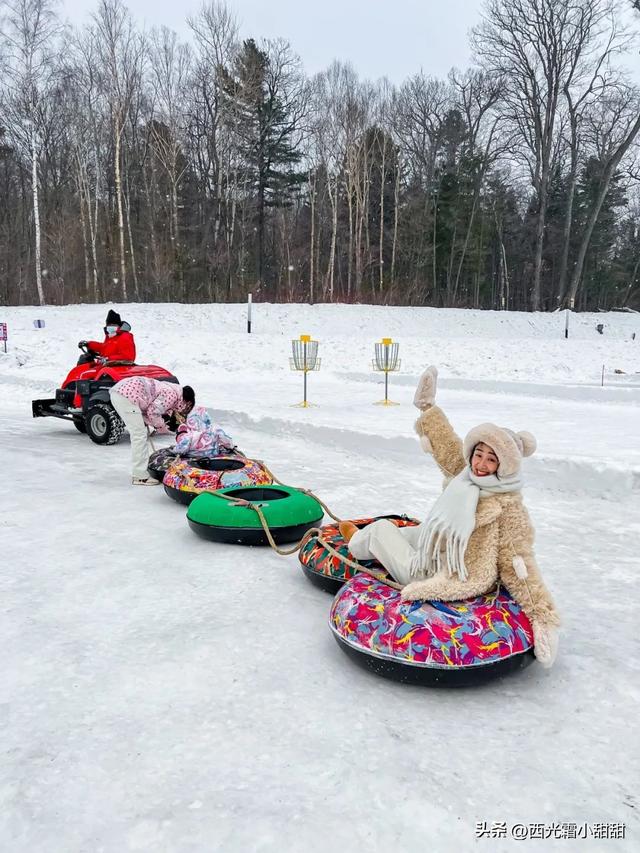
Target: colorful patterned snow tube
{"points": [[161, 460], [186, 479], [452, 643], [324, 569]]}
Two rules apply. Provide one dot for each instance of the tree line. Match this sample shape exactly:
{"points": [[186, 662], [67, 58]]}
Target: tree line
{"points": [[134, 166]]}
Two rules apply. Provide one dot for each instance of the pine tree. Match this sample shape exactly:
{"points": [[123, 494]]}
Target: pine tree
{"points": [[266, 126]]}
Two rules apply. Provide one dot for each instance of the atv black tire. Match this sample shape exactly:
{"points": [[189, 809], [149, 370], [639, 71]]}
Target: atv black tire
{"points": [[80, 425], [103, 424]]}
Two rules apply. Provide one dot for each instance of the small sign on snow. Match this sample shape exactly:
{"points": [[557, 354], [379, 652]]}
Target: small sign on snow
{"points": [[38, 324]]}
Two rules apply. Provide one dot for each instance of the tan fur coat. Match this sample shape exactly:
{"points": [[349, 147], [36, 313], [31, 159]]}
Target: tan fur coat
{"points": [[503, 531]]}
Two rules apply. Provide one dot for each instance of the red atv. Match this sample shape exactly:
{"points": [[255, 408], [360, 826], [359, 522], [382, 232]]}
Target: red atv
{"points": [[84, 396]]}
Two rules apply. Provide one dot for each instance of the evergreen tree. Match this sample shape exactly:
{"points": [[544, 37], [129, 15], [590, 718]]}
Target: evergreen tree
{"points": [[264, 119]]}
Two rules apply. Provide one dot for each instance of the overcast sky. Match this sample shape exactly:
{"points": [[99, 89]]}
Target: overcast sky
{"points": [[381, 38]]}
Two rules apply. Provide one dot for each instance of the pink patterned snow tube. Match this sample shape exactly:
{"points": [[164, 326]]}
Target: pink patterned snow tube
{"points": [[430, 641]]}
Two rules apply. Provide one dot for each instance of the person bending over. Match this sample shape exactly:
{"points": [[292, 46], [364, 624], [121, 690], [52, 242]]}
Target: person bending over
{"points": [[143, 403]]}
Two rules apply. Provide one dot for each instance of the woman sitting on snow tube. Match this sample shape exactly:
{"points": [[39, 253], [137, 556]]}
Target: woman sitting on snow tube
{"points": [[477, 534], [428, 643]]}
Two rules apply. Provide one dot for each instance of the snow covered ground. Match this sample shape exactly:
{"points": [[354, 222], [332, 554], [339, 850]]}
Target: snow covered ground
{"points": [[161, 693]]}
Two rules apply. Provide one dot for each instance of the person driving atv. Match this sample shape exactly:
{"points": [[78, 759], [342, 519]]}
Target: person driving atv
{"points": [[118, 344]]}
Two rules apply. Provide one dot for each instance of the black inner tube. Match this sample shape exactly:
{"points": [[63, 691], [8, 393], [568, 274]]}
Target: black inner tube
{"points": [[258, 493], [208, 463]]}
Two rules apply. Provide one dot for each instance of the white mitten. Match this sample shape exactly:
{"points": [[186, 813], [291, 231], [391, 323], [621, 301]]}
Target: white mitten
{"points": [[545, 640], [426, 391]]}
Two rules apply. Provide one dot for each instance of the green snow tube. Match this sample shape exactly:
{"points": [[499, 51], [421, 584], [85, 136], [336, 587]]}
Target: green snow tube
{"points": [[288, 512]]}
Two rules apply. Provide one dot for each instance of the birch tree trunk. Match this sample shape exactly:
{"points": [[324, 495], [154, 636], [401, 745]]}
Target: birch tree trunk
{"points": [[118, 187], [381, 241], [36, 215], [312, 187], [134, 271], [83, 228], [568, 220], [396, 201], [333, 199]]}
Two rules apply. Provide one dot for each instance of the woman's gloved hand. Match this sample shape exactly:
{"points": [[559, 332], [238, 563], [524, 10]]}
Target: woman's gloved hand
{"points": [[162, 430], [426, 391], [171, 422]]}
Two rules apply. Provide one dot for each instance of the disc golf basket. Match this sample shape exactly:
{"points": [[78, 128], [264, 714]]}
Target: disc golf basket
{"points": [[305, 359], [386, 361]]}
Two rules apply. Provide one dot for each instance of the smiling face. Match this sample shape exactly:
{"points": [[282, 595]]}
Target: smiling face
{"points": [[483, 460]]}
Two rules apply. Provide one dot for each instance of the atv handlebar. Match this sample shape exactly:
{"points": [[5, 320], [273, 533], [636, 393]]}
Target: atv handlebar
{"points": [[86, 349]]}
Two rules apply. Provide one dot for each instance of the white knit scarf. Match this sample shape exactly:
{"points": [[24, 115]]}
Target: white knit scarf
{"points": [[444, 535]]}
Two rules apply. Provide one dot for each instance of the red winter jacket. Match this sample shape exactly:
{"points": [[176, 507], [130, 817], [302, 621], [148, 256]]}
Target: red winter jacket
{"points": [[121, 347]]}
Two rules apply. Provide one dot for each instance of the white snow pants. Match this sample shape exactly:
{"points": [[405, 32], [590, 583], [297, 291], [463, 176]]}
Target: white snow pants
{"points": [[394, 547], [136, 427]]}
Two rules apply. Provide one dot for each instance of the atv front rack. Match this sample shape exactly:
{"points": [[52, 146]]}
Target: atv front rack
{"points": [[53, 409]]}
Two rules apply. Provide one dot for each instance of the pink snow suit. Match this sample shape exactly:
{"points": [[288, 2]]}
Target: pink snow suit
{"points": [[155, 398], [200, 434]]}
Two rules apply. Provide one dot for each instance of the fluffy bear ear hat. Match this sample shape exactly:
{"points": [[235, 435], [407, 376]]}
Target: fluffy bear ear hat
{"points": [[509, 447]]}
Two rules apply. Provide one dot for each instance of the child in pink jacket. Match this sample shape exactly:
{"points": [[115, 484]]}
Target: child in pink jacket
{"points": [[143, 402]]}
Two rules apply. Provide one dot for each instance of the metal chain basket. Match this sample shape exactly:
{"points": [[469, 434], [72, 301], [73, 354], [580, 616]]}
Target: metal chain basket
{"points": [[386, 357], [305, 356]]}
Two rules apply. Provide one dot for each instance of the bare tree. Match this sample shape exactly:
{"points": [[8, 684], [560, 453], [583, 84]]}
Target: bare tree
{"points": [[420, 107], [384, 154], [534, 45], [477, 93], [215, 29], [151, 166], [601, 37], [120, 51], [28, 36], [613, 128], [170, 64], [89, 123], [332, 112]]}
